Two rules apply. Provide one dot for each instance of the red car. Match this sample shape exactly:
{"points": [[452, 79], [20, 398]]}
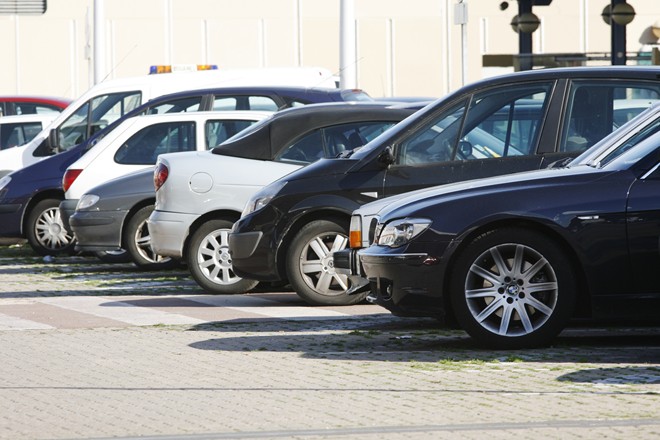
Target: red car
{"points": [[24, 105]]}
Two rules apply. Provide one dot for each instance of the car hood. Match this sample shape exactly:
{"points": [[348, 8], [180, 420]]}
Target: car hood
{"points": [[321, 168], [49, 168], [505, 183]]}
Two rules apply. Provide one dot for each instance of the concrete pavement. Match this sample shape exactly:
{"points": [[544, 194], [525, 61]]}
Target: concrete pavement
{"points": [[231, 369]]}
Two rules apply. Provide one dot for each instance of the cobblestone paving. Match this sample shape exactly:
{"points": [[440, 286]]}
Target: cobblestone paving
{"points": [[368, 376]]}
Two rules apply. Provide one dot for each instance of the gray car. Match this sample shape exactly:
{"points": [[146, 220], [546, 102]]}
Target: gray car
{"points": [[111, 220], [113, 216]]}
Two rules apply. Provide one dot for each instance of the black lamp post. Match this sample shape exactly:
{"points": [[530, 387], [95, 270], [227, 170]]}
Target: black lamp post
{"points": [[525, 23], [618, 14]]}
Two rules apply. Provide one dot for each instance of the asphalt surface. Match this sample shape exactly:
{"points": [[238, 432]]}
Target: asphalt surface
{"points": [[93, 351]]}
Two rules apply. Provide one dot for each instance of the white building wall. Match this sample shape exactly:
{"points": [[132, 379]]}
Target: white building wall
{"points": [[405, 48]]}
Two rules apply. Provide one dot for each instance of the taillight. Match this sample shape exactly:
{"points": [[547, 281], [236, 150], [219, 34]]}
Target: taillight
{"points": [[160, 175], [69, 177]]}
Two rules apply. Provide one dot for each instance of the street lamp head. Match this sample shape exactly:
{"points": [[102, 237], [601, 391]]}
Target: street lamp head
{"points": [[621, 14], [514, 24], [607, 14], [528, 22]]}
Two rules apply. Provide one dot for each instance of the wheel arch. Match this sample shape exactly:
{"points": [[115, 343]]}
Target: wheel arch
{"points": [[322, 213], [36, 198], [131, 212], [583, 300], [227, 214]]}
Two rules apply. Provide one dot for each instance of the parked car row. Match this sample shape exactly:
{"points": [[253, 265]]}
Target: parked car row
{"points": [[453, 210], [512, 259], [30, 196], [517, 122], [200, 195]]}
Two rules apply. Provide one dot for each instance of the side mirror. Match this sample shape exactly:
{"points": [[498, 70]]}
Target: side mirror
{"points": [[386, 158], [465, 149], [53, 140]]}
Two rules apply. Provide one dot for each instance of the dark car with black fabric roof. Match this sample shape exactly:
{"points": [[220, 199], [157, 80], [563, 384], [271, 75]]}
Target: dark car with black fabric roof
{"points": [[40, 185], [501, 125]]}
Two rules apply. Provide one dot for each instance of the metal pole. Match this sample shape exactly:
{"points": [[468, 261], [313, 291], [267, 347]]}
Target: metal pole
{"points": [[525, 38], [619, 57], [461, 17], [347, 46], [99, 41]]}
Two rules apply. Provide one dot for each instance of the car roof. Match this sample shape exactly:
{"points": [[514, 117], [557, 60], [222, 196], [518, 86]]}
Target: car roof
{"points": [[288, 123], [27, 118], [297, 90], [291, 91], [191, 116], [606, 72], [54, 100]]}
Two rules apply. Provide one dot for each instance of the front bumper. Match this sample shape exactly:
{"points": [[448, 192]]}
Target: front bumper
{"points": [[97, 230], [251, 257], [347, 262], [407, 284], [169, 232], [67, 208]]}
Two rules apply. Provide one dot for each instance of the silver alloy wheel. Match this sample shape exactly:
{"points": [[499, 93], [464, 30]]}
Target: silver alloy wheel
{"points": [[317, 266], [511, 290], [50, 231], [143, 245], [214, 260]]}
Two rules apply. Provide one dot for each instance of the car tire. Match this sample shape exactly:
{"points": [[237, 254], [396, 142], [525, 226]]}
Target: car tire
{"points": [[209, 260], [114, 257], [137, 242], [45, 231], [512, 288], [310, 268]]}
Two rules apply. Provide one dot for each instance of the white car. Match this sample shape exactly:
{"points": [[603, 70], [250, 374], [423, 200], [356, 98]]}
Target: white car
{"points": [[19, 129], [199, 195], [138, 141], [109, 100]]}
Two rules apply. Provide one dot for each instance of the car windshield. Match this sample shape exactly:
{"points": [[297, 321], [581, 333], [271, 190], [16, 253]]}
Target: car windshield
{"points": [[376, 143], [624, 159]]}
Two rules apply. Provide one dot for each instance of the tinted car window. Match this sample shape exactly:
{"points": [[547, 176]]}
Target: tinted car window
{"points": [[651, 129], [332, 141], [180, 105], [27, 108], [497, 123], [12, 135], [244, 103], [95, 115], [144, 146], [435, 142], [219, 131], [596, 108]]}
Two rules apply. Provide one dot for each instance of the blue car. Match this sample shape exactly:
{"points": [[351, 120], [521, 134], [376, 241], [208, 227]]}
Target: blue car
{"points": [[30, 197]]}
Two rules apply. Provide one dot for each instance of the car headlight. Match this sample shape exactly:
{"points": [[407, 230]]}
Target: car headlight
{"points": [[399, 232], [261, 198], [87, 201], [4, 182]]}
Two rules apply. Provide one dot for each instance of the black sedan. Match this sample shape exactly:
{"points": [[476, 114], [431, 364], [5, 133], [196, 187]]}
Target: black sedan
{"points": [[496, 126], [512, 259]]}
